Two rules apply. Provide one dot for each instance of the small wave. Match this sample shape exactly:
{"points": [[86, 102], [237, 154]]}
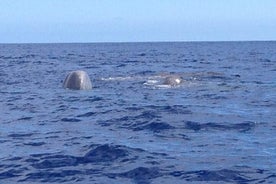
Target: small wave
{"points": [[25, 118], [9, 174], [56, 161], [105, 153], [223, 175], [121, 65], [102, 153], [142, 54], [241, 127], [34, 143], [139, 174], [93, 99], [88, 114], [57, 176], [70, 120], [19, 135]]}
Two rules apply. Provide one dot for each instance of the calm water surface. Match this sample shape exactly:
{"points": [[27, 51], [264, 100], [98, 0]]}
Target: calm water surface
{"points": [[218, 126]]}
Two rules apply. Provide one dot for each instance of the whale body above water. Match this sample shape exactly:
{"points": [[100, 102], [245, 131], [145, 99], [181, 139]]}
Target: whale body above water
{"points": [[172, 80], [77, 80]]}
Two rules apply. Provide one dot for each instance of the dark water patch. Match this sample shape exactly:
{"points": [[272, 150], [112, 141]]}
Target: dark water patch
{"points": [[70, 120], [100, 154], [52, 137], [265, 60], [88, 114], [34, 143], [53, 132], [11, 83], [134, 109], [152, 162], [20, 135], [38, 62], [40, 155], [149, 114], [148, 119], [105, 153], [6, 57], [177, 109], [269, 177], [142, 54], [61, 108], [121, 65], [219, 175], [185, 137], [87, 137], [131, 61], [53, 57], [236, 75], [223, 175], [31, 160], [258, 82], [105, 123], [9, 174], [25, 118], [71, 54], [241, 127], [212, 96], [15, 159], [10, 165], [192, 125], [140, 119], [3, 141], [205, 62], [139, 174], [81, 56], [93, 99], [107, 111]]}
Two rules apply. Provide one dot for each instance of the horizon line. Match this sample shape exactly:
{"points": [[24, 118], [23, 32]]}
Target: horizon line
{"points": [[124, 42]]}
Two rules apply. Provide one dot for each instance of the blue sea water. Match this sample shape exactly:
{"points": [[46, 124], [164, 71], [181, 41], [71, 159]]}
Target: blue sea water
{"points": [[217, 126]]}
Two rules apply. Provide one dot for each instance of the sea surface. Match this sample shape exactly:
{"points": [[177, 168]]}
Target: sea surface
{"points": [[217, 126]]}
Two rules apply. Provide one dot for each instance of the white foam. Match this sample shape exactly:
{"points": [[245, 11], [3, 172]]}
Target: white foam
{"points": [[116, 78]]}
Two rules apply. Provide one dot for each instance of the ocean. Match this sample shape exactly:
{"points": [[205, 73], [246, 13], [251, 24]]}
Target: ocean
{"points": [[217, 126]]}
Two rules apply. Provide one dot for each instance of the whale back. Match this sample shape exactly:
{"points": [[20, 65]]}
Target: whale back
{"points": [[77, 80], [172, 80]]}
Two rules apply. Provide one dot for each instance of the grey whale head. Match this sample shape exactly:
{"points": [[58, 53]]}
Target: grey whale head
{"points": [[77, 80], [172, 80]]}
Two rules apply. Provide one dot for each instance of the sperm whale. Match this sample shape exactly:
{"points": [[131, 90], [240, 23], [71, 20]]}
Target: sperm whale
{"points": [[172, 80], [77, 80]]}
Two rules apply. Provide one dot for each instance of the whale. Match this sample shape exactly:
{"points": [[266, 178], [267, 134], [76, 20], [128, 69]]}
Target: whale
{"points": [[172, 80], [77, 80]]}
